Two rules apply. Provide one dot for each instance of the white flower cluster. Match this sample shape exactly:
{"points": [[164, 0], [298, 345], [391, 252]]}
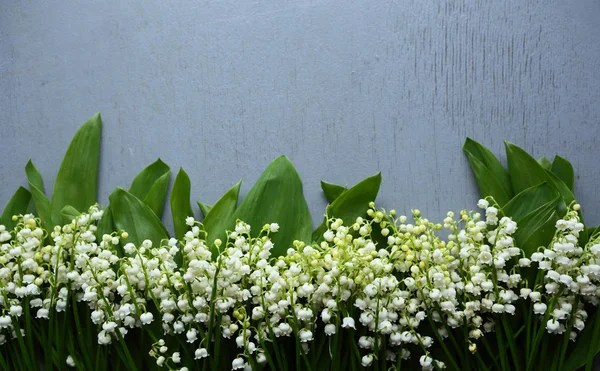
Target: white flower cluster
{"points": [[379, 279], [570, 277]]}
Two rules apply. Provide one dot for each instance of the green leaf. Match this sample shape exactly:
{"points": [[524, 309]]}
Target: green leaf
{"points": [[586, 344], [528, 200], [492, 178], [17, 205], [151, 185], [77, 179], [592, 231], [106, 224], [586, 235], [564, 171], [525, 172], [537, 227], [136, 218], [180, 203], [69, 213], [351, 204], [488, 184], [42, 204], [34, 177], [277, 197], [332, 191], [545, 163], [204, 208], [219, 218]]}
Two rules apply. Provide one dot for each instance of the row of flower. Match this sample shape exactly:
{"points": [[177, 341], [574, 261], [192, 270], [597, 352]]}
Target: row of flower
{"points": [[394, 300]]}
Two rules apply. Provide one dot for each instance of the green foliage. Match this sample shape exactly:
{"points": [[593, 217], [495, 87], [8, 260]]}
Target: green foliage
{"points": [[529, 200], [351, 204], [332, 191], [524, 176], [537, 227], [564, 170], [536, 210], [151, 186], [277, 197], [545, 163], [526, 172], [41, 202], [180, 203], [218, 218], [17, 204], [492, 178], [106, 225], [204, 208], [69, 213], [77, 179], [132, 215]]}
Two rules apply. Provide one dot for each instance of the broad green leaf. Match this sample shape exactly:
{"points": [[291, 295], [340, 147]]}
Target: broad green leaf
{"points": [[105, 224], [42, 204], [561, 187], [528, 200], [537, 227], [219, 218], [77, 179], [525, 172], [495, 178], [69, 213], [151, 185], [180, 203], [155, 199], [277, 197], [351, 204], [487, 182], [136, 218], [545, 163], [332, 191], [17, 205], [564, 170], [204, 208]]}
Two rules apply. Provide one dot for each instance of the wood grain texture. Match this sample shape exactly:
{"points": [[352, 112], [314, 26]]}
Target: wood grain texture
{"points": [[344, 88]]}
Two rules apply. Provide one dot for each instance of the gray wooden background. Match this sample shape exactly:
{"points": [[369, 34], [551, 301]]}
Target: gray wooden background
{"points": [[344, 88]]}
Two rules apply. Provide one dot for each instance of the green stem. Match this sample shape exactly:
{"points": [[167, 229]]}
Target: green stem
{"points": [[511, 343], [442, 344], [213, 296], [594, 345], [334, 356], [493, 353], [28, 358], [567, 335]]}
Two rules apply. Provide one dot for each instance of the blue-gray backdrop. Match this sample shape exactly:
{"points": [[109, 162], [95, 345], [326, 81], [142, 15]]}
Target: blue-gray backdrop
{"points": [[344, 88]]}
